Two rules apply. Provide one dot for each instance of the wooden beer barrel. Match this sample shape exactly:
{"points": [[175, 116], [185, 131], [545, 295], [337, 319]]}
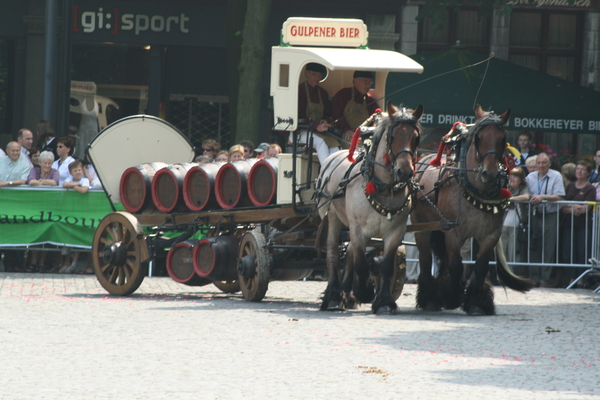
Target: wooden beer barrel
{"points": [[167, 187], [199, 187], [180, 265], [216, 258], [262, 182], [135, 186], [231, 184]]}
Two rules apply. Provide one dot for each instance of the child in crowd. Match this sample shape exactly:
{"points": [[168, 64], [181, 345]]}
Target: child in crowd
{"points": [[236, 153], [274, 151], [222, 156], [79, 183], [76, 179]]}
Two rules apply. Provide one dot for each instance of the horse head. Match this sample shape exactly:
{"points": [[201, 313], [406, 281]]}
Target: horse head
{"points": [[401, 131], [488, 142]]}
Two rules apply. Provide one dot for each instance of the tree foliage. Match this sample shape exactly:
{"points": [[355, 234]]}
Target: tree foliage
{"points": [[254, 45]]}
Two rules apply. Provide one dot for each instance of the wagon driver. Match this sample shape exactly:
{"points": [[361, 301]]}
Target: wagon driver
{"points": [[314, 104], [353, 105]]}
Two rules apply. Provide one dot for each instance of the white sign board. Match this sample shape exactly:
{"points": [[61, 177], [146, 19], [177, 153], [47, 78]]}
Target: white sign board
{"points": [[325, 32]]}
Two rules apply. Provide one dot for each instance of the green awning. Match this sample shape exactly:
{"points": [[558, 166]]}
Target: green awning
{"points": [[539, 102]]}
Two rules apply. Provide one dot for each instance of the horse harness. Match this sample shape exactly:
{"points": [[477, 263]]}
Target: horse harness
{"points": [[367, 169], [460, 140], [367, 157]]}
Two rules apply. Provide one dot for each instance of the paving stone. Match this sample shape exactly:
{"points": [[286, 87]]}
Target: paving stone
{"points": [[64, 337]]}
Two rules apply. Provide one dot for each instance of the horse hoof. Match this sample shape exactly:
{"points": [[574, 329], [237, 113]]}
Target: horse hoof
{"points": [[433, 308], [386, 310], [351, 304], [475, 311], [335, 306]]}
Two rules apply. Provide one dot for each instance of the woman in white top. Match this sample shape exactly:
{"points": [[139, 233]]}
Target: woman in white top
{"points": [[64, 149]]}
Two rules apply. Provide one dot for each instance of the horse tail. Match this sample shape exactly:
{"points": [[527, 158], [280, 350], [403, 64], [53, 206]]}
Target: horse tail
{"points": [[508, 277], [438, 247]]}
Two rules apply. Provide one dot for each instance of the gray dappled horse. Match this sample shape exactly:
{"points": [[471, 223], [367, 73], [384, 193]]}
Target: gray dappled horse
{"points": [[372, 199], [472, 196]]}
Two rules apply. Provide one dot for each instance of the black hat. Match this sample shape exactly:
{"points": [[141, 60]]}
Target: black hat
{"points": [[317, 68], [363, 74]]}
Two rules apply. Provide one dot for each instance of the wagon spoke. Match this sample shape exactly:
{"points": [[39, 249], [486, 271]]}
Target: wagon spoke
{"points": [[113, 275]]}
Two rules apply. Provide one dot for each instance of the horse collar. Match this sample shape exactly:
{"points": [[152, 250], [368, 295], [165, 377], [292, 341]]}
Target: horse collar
{"points": [[384, 210], [486, 205]]}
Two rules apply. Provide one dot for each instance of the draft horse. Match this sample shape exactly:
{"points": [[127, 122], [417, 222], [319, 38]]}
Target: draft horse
{"points": [[471, 194], [370, 197]]}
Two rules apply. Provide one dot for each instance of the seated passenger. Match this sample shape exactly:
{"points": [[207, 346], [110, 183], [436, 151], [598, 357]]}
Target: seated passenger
{"points": [[353, 105], [314, 104]]}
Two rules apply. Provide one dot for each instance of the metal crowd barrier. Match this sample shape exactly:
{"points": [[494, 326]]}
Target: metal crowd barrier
{"points": [[514, 259]]}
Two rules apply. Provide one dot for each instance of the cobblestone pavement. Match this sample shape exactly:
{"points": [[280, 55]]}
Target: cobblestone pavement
{"points": [[63, 337]]}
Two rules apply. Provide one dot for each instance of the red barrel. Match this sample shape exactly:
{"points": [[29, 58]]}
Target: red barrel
{"points": [[180, 265], [216, 258], [199, 187], [167, 187], [135, 186], [262, 182], [231, 184]]}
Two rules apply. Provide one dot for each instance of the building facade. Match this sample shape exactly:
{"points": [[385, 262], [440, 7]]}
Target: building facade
{"points": [[111, 59]]}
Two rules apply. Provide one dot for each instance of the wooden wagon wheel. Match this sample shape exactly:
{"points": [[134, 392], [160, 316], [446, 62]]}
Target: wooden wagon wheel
{"points": [[398, 276], [253, 266], [119, 253], [228, 286]]}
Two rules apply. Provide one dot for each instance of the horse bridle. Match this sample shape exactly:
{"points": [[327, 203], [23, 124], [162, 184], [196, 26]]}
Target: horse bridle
{"points": [[388, 143], [497, 122], [390, 132], [475, 139]]}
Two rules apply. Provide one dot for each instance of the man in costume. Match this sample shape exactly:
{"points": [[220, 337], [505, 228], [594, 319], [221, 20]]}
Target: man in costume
{"points": [[353, 105], [314, 105]]}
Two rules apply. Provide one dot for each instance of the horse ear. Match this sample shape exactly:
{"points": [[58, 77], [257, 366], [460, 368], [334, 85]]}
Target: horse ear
{"points": [[391, 110], [478, 112], [504, 117], [418, 112]]}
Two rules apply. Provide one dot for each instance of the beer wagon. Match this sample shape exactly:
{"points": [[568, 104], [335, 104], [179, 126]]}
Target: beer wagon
{"points": [[257, 219]]}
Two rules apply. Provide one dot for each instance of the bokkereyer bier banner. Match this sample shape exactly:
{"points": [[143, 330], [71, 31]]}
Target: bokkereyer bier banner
{"points": [[50, 216]]}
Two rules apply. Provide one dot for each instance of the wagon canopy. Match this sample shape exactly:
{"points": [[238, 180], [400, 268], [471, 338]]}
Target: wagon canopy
{"points": [[132, 141], [287, 71]]}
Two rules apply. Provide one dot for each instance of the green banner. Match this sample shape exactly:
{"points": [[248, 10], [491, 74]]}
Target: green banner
{"points": [[50, 215]]}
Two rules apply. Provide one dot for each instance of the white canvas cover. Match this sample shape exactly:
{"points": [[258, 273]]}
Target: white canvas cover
{"points": [[133, 141]]}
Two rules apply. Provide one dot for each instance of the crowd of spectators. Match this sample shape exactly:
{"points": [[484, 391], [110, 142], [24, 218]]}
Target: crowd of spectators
{"points": [[535, 189], [48, 164], [245, 150]]}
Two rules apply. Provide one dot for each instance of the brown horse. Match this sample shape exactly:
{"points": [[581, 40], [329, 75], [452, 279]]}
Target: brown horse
{"points": [[471, 195], [372, 198]]}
